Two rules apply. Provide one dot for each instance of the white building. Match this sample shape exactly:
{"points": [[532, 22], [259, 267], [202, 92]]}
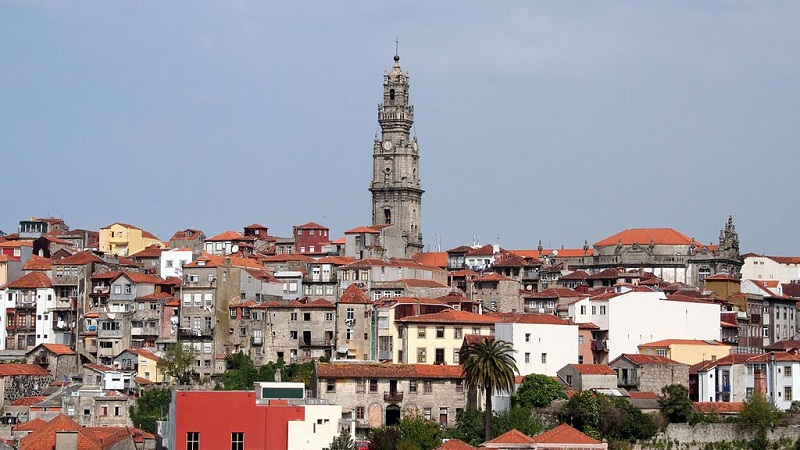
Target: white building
{"points": [[639, 316], [785, 269], [322, 423], [543, 343], [173, 260]]}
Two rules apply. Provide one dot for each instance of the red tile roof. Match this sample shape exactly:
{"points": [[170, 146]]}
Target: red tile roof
{"points": [[512, 436], [354, 295], [450, 316], [378, 370], [6, 258], [230, 236], [785, 259], [31, 425], [7, 370], [311, 225], [152, 251], [145, 354], [362, 230], [642, 395], [647, 359], [58, 349], [492, 277], [335, 260], [719, 407], [643, 236], [32, 280], [668, 342], [455, 444], [594, 369], [14, 244], [415, 282], [28, 401], [38, 263], [79, 259], [438, 259], [530, 318], [180, 235], [563, 434]]}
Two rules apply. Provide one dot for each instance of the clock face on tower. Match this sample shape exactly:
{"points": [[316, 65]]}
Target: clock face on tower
{"points": [[387, 145]]}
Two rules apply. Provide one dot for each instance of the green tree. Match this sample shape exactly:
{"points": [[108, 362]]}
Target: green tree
{"points": [[178, 363], [758, 415], [419, 433], [240, 373], [384, 438], [150, 407], [342, 442], [518, 418], [675, 403], [469, 426], [489, 365], [537, 391], [583, 412]]}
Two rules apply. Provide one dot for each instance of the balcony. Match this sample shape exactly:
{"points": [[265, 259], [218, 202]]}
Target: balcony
{"points": [[256, 340], [144, 331], [385, 355], [600, 345], [195, 332], [100, 291], [726, 388], [394, 397]]}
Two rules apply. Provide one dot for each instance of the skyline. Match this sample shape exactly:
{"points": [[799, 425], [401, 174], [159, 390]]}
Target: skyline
{"points": [[555, 121]]}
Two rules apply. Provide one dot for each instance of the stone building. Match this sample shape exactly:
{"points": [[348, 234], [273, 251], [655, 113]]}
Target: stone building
{"points": [[377, 395], [649, 373], [396, 189], [58, 359], [22, 380], [354, 326], [497, 293], [583, 377]]}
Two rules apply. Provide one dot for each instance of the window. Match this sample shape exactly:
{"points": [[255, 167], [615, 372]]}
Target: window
{"points": [[787, 393], [440, 332], [233, 313], [330, 385], [293, 317], [373, 385], [583, 309], [193, 440], [427, 387], [580, 340], [458, 333], [527, 337], [293, 335], [661, 352], [602, 309], [361, 386], [456, 356], [117, 289], [787, 371], [349, 334], [426, 413], [128, 288], [328, 317], [460, 386], [544, 358], [421, 355], [237, 440], [421, 331], [307, 317], [594, 309], [412, 386], [104, 410], [359, 412], [527, 357], [117, 410]]}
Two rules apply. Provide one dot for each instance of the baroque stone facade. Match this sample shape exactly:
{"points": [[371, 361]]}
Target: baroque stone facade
{"points": [[396, 189]]}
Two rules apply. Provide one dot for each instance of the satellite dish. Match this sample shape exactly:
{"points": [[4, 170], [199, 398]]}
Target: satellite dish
{"points": [[235, 248], [555, 252]]}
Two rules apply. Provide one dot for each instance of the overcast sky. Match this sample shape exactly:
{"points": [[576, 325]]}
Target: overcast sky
{"points": [[560, 121]]}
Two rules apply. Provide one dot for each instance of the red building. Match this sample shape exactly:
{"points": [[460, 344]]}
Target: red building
{"points": [[229, 419], [310, 238]]}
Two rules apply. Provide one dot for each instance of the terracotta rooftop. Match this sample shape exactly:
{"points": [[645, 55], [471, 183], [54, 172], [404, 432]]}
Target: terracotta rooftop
{"points": [[647, 359], [229, 236], [512, 436], [79, 259], [719, 407], [415, 282], [58, 349], [530, 318], [455, 444], [152, 251], [450, 316], [437, 259], [32, 280], [643, 237], [38, 263], [354, 295], [310, 226], [594, 369], [668, 342], [21, 369], [563, 434], [397, 371]]}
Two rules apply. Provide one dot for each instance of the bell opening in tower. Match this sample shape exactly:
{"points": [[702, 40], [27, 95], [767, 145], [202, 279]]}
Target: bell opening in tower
{"points": [[391, 94], [387, 216]]}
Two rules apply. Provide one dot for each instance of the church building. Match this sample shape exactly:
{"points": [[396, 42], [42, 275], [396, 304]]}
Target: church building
{"points": [[396, 189]]}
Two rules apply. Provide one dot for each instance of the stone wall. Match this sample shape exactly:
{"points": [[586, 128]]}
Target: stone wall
{"points": [[686, 437], [19, 386]]}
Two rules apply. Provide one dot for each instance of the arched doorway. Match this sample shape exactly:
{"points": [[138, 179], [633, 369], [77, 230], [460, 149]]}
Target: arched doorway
{"points": [[392, 415]]}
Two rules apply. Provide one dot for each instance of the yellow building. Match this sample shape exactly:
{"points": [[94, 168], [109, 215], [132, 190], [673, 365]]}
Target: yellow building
{"points": [[143, 362], [686, 351], [122, 239], [437, 338]]}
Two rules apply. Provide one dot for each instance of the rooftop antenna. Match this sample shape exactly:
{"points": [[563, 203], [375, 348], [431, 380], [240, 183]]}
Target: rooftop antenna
{"points": [[396, 48]]}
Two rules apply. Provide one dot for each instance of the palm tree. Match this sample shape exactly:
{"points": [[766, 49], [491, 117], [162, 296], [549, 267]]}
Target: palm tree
{"points": [[489, 364]]}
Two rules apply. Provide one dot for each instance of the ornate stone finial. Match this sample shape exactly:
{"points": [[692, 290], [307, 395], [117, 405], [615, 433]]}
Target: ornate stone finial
{"points": [[540, 248], [396, 49]]}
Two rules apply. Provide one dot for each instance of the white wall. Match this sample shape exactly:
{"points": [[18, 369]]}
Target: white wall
{"points": [[763, 268], [309, 434], [558, 342], [174, 268]]}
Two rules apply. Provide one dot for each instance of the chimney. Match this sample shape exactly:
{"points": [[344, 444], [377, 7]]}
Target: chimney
{"points": [[66, 440]]}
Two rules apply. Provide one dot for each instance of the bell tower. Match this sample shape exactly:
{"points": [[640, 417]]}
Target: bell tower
{"points": [[396, 189]]}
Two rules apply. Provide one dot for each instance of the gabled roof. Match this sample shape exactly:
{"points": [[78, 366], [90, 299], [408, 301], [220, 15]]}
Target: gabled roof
{"points": [[354, 295], [310, 225], [152, 251], [180, 235], [79, 259], [255, 226], [450, 316], [491, 276], [38, 263], [32, 280], [564, 434], [554, 293], [17, 243], [28, 401], [643, 236], [145, 234], [455, 444], [56, 349], [7, 370], [143, 353], [578, 275], [363, 230], [437, 259], [512, 436], [229, 236]]}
